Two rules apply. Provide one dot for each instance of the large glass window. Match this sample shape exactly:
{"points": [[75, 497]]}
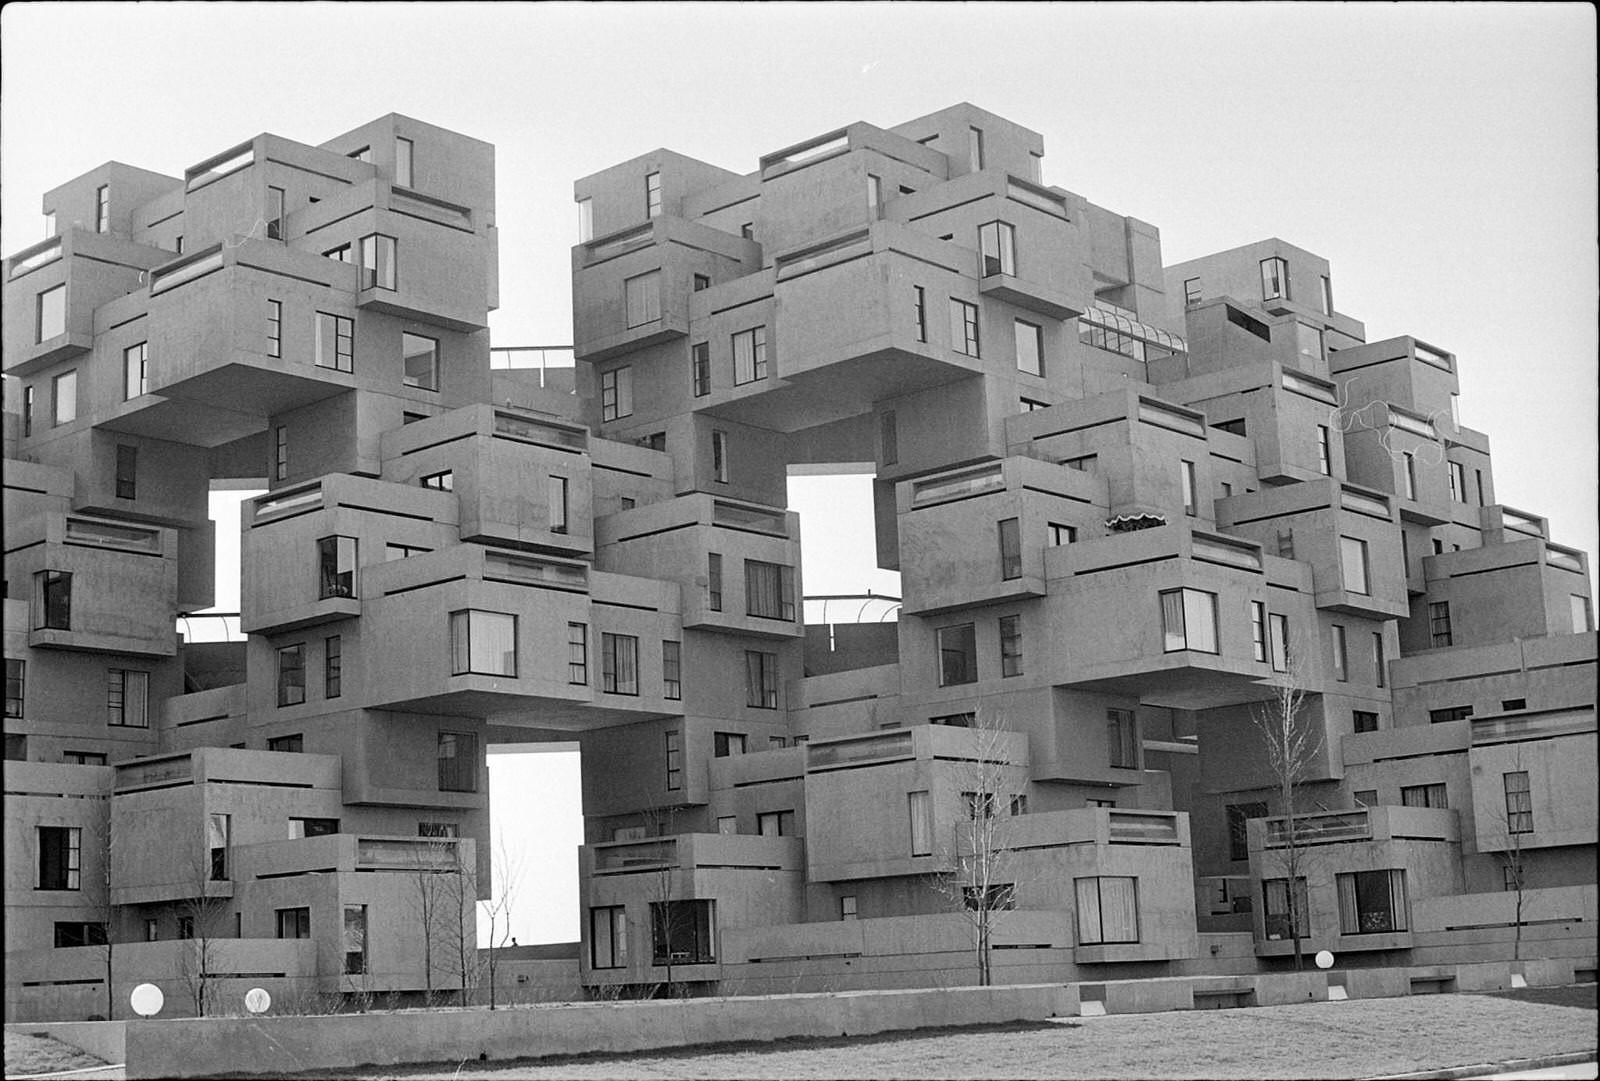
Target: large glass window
{"points": [[1280, 922], [1030, 347], [682, 932], [127, 698], [768, 590], [1372, 902], [616, 393], [136, 370], [52, 313], [750, 355], [964, 327], [421, 357], [483, 643], [378, 262], [642, 298], [293, 922], [761, 679], [958, 655], [619, 664], [60, 848], [608, 937], [997, 242], [335, 342], [458, 762], [336, 567], [1353, 564], [1519, 802], [1108, 910], [1274, 279], [292, 674], [1423, 795], [1189, 620], [52, 601], [1122, 738], [64, 397]]}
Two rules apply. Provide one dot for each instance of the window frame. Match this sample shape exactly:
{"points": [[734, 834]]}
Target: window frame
{"points": [[1009, 628], [1183, 634], [1354, 557], [1518, 788], [578, 654], [1280, 278], [1099, 934], [997, 249], [52, 600], [965, 332], [616, 393], [700, 369], [65, 865], [749, 355], [1351, 887], [671, 670], [51, 303], [463, 636], [965, 637], [64, 398], [615, 677], [463, 748], [291, 674], [342, 330], [761, 679], [641, 299], [1009, 532], [417, 382], [1441, 633], [615, 918], [136, 370], [127, 698], [378, 263]]}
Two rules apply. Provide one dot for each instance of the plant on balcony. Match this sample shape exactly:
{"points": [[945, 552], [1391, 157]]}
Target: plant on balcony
{"points": [[1290, 743], [1132, 523]]}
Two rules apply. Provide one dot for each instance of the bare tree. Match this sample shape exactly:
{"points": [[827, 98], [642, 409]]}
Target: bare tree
{"points": [[974, 878], [1514, 816], [666, 922], [498, 909], [200, 920], [1291, 743], [427, 898], [97, 897]]}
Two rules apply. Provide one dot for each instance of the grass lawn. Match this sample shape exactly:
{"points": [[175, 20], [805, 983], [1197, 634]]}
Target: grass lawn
{"points": [[1361, 1038], [39, 1054]]}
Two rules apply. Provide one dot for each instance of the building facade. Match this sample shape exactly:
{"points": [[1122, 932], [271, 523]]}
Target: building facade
{"points": [[1128, 503]]}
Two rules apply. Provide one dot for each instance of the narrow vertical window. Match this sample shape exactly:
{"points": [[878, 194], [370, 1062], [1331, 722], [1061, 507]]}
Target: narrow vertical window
{"points": [[652, 195], [1010, 645], [1189, 620], [127, 471], [700, 368], [714, 581], [332, 666], [1122, 738], [578, 654], [1519, 802], [558, 504], [52, 600], [1458, 483], [719, 456], [964, 328], [378, 268], [275, 214], [292, 675], [404, 152], [1190, 497], [919, 300], [1439, 629], [674, 761], [1010, 549], [874, 194], [1278, 626], [64, 397], [1324, 452], [641, 296], [1258, 630], [975, 148], [355, 940], [1274, 279], [616, 393], [671, 670], [51, 313], [920, 808], [1191, 292], [1341, 658], [16, 681], [888, 438], [1327, 295], [585, 220], [1408, 462], [997, 249], [750, 355], [336, 567], [102, 209], [1379, 664], [135, 371], [27, 410], [1353, 564], [1030, 347], [280, 468], [761, 679], [274, 328]]}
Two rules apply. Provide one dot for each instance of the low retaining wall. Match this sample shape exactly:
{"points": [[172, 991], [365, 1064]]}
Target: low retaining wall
{"points": [[102, 1039]]}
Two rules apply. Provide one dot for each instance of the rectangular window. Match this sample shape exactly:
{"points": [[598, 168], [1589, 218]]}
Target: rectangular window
{"points": [[768, 590], [1189, 620], [275, 229], [1030, 347], [1010, 549], [619, 664], [483, 643], [404, 155], [70, 934], [1108, 910], [1274, 279], [1353, 565], [127, 473], [1439, 624], [652, 195], [997, 247], [608, 935], [1061, 534], [1278, 627], [127, 698], [420, 356], [874, 194], [1423, 795], [1010, 646], [1372, 902], [719, 456], [1341, 658], [280, 466], [64, 398], [1191, 292], [219, 831], [1122, 739], [888, 437], [294, 922], [1477, 476], [616, 393], [292, 674], [458, 762], [335, 342], [761, 679], [355, 940], [102, 209], [16, 682], [1458, 483], [920, 312], [1327, 295], [921, 810], [671, 670], [59, 853], [557, 498], [714, 581], [52, 601], [585, 220], [700, 368], [393, 551], [27, 410], [1324, 451], [674, 761], [341, 254], [749, 355], [274, 328], [1582, 616], [1364, 720], [1238, 833], [51, 313], [291, 744], [847, 907], [727, 744], [378, 262], [578, 654], [975, 148], [964, 327], [642, 299], [438, 829], [1379, 664], [332, 666], [683, 932], [1258, 630], [336, 567], [958, 655], [444, 482], [702, 282], [1408, 462], [1190, 494], [136, 370], [1519, 802], [1281, 923]]}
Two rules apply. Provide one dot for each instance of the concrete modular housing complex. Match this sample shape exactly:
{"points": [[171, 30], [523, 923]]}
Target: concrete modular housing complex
{"points": [[1121, 497]]}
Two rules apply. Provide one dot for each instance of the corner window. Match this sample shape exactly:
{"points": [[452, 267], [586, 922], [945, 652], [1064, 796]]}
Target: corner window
{"points": [[483, 643], [761, 679], [280, 466], [1327, 295], [619, 664], [1408, 462], [1372, 902], [642, 299], [1258, 631], [458, 762], [136, 370], [683, 932], [335, 342], [378, 262], [127, 698], [616, 393], [750, 355], [1061, 534], [64, 398], [921, 813], [958, 655], [1189, 620], [1108, 910], [768, 590], [997, 246], [52, 313], [964, 327], [1238, 815], [1278, 625], [585, 220], [421, 358], [1353, 565], [1274, 279], [336, 567], [52, 601], [292, 675]]}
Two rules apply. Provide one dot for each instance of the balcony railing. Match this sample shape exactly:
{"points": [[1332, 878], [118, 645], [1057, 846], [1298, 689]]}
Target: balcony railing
{"points": [[866, 749], [46, 254], [1320, 828], [87, 532], [544, 433], [957, 486], [178, 770], [431, 853], [634, 855], [1130, 827], [742, 517], [1532, 725]]}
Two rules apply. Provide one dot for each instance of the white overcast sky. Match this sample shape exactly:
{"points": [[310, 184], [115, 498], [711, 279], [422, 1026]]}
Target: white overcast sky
{"points": [[1441, 156]]}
